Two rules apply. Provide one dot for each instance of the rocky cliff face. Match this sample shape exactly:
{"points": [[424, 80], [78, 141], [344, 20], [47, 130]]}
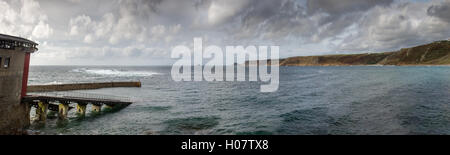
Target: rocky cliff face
{"points": [[436, 53]]}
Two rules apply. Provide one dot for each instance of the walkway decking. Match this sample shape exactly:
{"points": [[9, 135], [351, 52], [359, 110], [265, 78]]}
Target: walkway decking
{"points": [[75, 97]]}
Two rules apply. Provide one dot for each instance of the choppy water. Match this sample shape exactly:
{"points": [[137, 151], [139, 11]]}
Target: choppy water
{"points": [[311, 100]]}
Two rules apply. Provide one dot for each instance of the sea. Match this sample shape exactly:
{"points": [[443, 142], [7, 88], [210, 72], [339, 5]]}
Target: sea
{"points": [[344, 100]]}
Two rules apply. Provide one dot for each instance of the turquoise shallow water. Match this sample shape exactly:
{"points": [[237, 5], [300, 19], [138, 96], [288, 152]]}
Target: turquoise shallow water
{"points": [[310, 100]]}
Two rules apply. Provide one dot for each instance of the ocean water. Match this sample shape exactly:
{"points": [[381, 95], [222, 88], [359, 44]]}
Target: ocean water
{"points": [[310, 100]]}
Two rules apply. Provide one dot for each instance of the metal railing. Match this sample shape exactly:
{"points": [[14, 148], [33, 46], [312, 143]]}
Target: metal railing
{"points": [[92, 96]]}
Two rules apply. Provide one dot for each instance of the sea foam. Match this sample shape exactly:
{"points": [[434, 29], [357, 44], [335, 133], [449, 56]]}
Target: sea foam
{"points": [[115, 72]]}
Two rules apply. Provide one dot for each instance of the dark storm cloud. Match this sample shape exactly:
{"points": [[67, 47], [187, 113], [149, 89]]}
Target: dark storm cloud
{"points": [[277, 19], [141, 7], [339, 7], [340, 14], [165, 11], [442, 11], [273, 19], [397, 26]]}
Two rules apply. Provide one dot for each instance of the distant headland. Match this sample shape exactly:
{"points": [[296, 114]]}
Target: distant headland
{"points": [[436, 53]]}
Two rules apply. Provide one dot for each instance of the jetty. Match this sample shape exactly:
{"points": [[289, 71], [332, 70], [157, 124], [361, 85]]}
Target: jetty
{"points": [[60, 98], [61, 102]]}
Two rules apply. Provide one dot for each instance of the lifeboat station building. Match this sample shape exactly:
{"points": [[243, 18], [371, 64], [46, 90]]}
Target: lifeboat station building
{"points": [[14, 66]]}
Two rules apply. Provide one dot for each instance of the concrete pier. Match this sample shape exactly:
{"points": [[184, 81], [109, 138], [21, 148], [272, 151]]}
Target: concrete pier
{"points": [[41, 112], [96, 108], [81, 109], [61, 103], [63, 111]]}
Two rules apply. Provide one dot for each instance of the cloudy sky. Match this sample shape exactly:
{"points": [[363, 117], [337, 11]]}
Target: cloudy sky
{"points": [[143, 32]]}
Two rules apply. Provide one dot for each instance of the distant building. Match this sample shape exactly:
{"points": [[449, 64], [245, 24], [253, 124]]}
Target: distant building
{"points": [[14, 67]]}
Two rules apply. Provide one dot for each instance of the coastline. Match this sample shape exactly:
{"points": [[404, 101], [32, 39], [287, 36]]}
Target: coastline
{"points": [[420, 65], [432, 54]]}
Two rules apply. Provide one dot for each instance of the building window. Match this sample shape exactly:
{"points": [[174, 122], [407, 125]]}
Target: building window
{"points": [[7, 62], [0, 61]]}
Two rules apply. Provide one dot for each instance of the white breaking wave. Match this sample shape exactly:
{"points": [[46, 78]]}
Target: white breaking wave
{"points": [[53, 83], [114, 72]]}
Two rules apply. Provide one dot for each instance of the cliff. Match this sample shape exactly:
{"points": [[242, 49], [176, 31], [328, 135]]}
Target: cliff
{"points": [[436, 53]]}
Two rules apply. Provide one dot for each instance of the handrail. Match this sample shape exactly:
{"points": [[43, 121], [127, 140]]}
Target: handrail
{"points": [[84, 96]]}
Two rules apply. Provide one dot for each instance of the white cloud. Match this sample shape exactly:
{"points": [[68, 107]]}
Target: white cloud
{"points": [[105, 27], [158, 30], [166, 33], [80, 25], [220, 10], [31, 12], [42, 30], [24, 19], [90, 31]]}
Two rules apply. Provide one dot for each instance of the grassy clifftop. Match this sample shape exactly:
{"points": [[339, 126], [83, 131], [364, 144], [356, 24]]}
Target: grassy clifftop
{"points": [[436, 53]]}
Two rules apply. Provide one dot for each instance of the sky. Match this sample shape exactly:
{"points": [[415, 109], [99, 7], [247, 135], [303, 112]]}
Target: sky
{"points": [[143, 32]]}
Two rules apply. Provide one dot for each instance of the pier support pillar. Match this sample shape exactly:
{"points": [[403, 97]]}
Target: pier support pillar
{"points": [[96, 108], [41, 112], [81, 109], [108, 107], [63, 111]]}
